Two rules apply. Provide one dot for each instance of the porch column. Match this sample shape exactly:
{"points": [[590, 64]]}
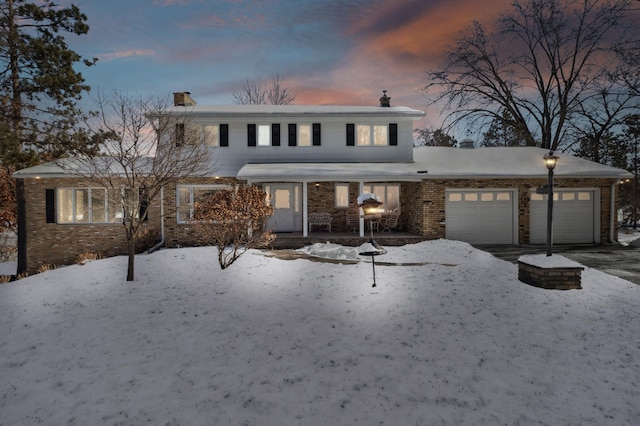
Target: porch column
{"points": [[305, 202]]}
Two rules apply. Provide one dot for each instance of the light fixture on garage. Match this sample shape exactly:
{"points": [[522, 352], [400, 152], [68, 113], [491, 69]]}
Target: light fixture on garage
{"points": [[550, 161]]}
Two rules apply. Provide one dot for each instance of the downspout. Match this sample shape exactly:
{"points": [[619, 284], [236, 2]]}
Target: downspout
{"points": [[612, 213], [161, 243]]}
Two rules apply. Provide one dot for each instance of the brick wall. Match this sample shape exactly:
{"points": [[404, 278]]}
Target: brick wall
{"points": [[432, 195], [60, 244]]}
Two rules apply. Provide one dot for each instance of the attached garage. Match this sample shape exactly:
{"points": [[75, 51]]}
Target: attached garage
{"points": [[576, 216], [487, 216]]}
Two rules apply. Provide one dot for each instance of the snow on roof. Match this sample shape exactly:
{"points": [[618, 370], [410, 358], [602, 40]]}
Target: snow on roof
{"points": [[440, 162], [429, 162], [292, 110], [504, 162]]}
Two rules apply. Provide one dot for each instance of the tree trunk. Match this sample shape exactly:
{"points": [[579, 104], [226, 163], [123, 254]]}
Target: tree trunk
{"points": [[132, 257]]}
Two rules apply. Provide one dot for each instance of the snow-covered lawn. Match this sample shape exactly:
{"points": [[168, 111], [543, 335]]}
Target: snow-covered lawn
{"points": [[448, 337]]}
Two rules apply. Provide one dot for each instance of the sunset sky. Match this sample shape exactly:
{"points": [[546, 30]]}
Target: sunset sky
{"points": [[329, 51]]}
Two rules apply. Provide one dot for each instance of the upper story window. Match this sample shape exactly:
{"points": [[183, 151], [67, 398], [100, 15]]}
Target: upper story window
{"points": [[372, 134], [263, 134], [207, 134]]}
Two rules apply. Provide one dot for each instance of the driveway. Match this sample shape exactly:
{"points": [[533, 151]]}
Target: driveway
{"points": [[614, 259]]}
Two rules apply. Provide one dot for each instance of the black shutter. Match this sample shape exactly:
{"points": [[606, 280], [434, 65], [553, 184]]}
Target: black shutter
{"points": [[275, 134], [50, 205], [393, 134], [179, 134], [293, 135], [316, 134], [224, 135], [251, 134], [351, 134]]}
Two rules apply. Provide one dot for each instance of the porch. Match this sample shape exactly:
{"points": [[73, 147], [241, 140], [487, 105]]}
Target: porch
{"points": [[294, 240]]}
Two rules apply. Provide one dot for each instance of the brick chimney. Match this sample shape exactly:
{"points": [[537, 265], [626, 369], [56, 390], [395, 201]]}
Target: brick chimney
{"points": [[385, 101], [183, 99]]}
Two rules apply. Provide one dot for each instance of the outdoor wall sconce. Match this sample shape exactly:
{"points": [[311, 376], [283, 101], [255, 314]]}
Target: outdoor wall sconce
{"points": [[550, 161], [317, 187]]}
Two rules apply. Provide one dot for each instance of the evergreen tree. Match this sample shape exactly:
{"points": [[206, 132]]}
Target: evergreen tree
{"points": [[39, 88]]}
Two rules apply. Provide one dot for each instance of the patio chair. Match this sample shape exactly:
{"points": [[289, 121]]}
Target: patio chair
{"points": [[353, 219], [391, 221], [320, 219]]}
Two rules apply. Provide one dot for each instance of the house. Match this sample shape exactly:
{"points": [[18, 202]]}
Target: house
{"points": [[320, 159]]}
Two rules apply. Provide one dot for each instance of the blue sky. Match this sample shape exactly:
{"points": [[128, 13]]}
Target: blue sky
{"points": [[329, 51]]}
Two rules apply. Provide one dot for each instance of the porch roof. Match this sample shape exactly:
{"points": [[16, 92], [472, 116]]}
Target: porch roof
{"points": [[295, 172]]}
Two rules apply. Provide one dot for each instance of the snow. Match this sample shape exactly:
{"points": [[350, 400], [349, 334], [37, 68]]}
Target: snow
{"points": [[553, 261], [448, 337]]}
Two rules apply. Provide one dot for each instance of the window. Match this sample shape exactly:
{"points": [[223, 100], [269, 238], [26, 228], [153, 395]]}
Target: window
{"points": [[389, 194], [304, 134], [81, 205], [263, 134], [187, 196], [342, 195], [94, 205], [211, 135], [376, 135], [208, 134]]}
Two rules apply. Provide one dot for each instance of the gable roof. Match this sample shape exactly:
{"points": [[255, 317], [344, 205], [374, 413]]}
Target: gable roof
{"points": [[245, 111]]}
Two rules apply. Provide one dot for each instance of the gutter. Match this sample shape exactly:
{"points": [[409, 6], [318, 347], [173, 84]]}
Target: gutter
{"points": [[161, 243], [612, 213]]}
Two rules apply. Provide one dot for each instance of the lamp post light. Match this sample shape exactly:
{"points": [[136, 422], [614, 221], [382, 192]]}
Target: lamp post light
{"points": [[550, 161], [370, 248]]}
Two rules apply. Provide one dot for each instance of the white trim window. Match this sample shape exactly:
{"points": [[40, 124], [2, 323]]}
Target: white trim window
{"points": [[304, 134], [341, 191], [389, 194], [81, 205], [372, 134], [188, 195]]}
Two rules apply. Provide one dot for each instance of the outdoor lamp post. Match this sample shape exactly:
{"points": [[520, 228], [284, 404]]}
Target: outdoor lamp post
{"points": [[371, 248], [550, 160]]}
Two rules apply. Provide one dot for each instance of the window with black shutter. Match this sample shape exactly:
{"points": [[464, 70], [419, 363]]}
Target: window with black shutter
{"points": [[224, 135], [50, 205], [275, 134], [251, 134], [316, 134], [293, 134], [351, 134], [393, 134]]}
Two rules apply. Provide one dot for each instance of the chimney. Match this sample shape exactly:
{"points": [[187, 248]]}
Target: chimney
{"points": [[385, 101], [183, 99]]}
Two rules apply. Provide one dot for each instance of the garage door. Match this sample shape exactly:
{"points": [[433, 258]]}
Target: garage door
{"points": [[575, 217], [481, 216]]}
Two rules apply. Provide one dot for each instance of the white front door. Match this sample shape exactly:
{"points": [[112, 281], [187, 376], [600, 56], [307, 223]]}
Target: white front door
{"points": [[283, 200]]}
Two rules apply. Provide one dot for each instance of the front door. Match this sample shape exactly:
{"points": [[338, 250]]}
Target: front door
{"points": [[283, 202]]}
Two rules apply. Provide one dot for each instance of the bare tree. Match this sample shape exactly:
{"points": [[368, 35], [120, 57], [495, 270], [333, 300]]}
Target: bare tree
{"points": [[234, 220], [545, 62], [143, 151], [264, 92]]}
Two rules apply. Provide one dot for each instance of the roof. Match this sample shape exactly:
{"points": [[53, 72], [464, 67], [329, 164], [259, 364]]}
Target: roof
{"points": [[296, 110], [429, 162], [440, 162]]}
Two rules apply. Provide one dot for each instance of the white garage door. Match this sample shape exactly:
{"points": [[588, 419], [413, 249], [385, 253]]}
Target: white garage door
{"points": [[575, 217], [481, 216]]}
